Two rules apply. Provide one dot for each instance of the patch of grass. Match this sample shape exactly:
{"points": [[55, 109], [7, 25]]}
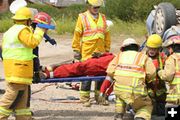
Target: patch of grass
{"points": [[137, 28], [5, 24], [66, 20], [65, 25]]}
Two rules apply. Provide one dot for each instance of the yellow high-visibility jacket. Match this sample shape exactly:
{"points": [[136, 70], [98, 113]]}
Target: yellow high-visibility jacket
{"points": [[91, 35], [18, 43]]}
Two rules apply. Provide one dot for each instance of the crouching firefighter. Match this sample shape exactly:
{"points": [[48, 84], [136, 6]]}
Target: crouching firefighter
{"points": [[17, 46], [129, 70], [156, 87]]}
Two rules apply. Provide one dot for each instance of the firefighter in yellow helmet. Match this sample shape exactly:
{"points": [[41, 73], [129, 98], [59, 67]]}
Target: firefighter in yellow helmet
{"points": [[156, 87], [129, 70], [171, 71], [91, 38], [17, 45]]}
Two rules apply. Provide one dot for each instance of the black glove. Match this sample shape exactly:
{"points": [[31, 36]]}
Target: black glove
{"points": [[48, 39], [97, 54], [51, 41], [77, 55]]}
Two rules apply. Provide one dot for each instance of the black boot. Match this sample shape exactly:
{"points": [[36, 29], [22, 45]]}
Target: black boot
{"points": [[118, 116], [139, 118], [36, 77]]}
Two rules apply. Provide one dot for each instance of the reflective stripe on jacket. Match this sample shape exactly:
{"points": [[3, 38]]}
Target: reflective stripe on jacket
{"points": [[17, 61], [91, 29], [131, 66], [174, 91]]}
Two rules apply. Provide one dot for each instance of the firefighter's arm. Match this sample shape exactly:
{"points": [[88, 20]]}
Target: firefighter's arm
{"points": [[30, 39], [112, 66], [76, 45], [107, 41], [169, 70], [150, 70], [106, 85]]}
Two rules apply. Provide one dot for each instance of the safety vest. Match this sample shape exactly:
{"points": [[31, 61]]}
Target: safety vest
{"points": [[91, 29], [14, 50], [159, 87], [131, 64], [174, 92]]}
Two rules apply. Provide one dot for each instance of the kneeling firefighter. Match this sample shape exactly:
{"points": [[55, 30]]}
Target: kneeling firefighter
{"points": [[129, 70]]}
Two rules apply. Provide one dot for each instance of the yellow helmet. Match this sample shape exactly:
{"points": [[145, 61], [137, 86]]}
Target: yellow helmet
{"points": [[96, 2], [23, 13], [154, 41]]}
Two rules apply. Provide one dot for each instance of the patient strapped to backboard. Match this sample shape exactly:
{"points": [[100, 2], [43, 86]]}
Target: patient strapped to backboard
{"points": [[90, 67]]}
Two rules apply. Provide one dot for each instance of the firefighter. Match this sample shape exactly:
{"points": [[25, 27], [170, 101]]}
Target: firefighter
{"points": [[91, 38], [156, 87], [171, 70], [45, 20], [17, 45], [129, 70]]}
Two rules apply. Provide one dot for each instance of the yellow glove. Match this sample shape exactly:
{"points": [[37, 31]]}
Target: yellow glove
{"points": [[39, 33]]}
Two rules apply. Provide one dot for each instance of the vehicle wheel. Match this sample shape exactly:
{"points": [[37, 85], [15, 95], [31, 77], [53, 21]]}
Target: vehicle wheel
{"points": [[165, 17]]}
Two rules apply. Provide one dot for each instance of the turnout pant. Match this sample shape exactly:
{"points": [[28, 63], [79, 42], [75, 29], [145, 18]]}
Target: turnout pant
{"points": [[16, 100], [142, 105], [85, 90]]}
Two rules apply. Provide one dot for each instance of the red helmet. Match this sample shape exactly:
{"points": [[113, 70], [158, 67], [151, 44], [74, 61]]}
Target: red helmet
{"points": [[43, 18]]}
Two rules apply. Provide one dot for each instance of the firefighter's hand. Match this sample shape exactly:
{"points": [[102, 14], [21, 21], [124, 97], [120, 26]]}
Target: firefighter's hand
{"points": [[51, 41], [97, 54], [77, 55], [101, 99]]}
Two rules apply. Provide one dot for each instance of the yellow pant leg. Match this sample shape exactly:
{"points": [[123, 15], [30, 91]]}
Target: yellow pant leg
{"points": [[143, 107], [120, 105], [22, 108], [12, 97]]}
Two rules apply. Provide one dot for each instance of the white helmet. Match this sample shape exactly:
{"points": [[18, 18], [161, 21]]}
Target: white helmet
{"points": [[129, 41]]}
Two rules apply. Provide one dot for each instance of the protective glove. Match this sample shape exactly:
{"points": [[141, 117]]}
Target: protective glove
{"points": [[102, 99], [97, 54], [77, 55], [48, 39]]}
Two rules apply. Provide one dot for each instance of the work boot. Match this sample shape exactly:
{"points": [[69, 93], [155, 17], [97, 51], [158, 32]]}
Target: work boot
{"points": [[36, 77], [118, 116], [139, 118], [87, 104]]}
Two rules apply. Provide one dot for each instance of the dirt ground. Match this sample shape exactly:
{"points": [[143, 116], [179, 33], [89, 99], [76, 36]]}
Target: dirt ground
{"points": [[46, 104]]}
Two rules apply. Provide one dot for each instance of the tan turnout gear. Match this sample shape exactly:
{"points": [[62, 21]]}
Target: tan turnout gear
{"points": [[129, 69], [16, 100], [171, 74]]}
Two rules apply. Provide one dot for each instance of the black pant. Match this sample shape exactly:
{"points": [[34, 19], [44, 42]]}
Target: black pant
{"points": [[36, 62]]}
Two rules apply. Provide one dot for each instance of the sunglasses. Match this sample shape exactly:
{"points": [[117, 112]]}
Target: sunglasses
{"points": [[96, 7]]}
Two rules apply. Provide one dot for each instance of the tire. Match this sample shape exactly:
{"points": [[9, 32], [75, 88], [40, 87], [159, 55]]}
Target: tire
{"points": [[165, 17]]}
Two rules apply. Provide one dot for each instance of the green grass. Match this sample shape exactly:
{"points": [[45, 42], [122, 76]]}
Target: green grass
{"points": [[66, 20], [137, 28]]}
